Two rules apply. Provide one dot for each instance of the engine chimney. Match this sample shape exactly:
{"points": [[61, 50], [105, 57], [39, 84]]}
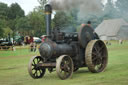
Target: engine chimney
{"points": [[48, 11]]}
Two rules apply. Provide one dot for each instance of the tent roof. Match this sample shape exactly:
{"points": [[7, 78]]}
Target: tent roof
{"points": [[110, 27]]}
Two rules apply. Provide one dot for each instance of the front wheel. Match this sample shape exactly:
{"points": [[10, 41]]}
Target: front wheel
{"points": [[64, 67], [34, 70]]}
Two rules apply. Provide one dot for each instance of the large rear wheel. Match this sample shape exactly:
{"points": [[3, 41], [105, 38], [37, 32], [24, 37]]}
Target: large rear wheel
{"points": [[96, 56]]}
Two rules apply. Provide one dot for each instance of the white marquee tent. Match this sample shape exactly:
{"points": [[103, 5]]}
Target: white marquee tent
{"points": [[115, 29]]}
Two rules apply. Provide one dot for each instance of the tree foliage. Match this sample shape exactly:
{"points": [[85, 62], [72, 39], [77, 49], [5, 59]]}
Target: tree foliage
{"points": [[36, 23], [122, 7], [62, 20], [13, 20], [15, 11], [3, 11], [4, 29], [8, 18], [22, 25]]}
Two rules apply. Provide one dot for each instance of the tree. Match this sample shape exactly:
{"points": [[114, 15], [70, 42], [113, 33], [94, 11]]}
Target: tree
{"points": [[3, 10], [37, 23], [122, 6], [15, 11], [63, 20], [3, 19], [9, 17], [22, 25], [2, 26], [110, 10], [1, 31], [7, 31], [4, 29]]}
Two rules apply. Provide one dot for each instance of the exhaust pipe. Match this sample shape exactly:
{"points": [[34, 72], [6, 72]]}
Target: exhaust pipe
{"points": [[48, 12]]}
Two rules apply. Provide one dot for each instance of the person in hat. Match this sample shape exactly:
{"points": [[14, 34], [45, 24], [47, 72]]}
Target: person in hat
{"points": [[43, 38]]}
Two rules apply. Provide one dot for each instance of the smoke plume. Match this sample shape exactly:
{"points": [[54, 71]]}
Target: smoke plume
{"points": [[85, 7]]}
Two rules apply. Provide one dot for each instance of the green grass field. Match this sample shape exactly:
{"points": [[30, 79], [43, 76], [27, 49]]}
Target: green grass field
{"points": [[13, 69]]}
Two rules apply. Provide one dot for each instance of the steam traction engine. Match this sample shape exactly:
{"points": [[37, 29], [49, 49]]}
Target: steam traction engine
{"points": [[67, 52]]}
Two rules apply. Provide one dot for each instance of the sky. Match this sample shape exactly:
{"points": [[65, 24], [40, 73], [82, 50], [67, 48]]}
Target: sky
{"points": [[28, 5]]}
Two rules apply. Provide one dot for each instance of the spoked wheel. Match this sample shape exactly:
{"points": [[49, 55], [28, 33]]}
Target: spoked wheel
{"points": [[64, 67], [35, 71], [96, 56]]}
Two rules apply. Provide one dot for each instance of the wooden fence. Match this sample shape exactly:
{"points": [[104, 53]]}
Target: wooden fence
{"points": [[7, 48]]}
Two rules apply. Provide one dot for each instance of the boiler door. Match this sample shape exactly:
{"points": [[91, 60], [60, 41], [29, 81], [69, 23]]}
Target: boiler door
{"points": [[46, 50]]}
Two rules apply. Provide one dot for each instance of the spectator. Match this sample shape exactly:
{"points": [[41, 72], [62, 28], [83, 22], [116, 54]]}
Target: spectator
{"points": [[33, 46], [43, 38], [120, 41]]}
